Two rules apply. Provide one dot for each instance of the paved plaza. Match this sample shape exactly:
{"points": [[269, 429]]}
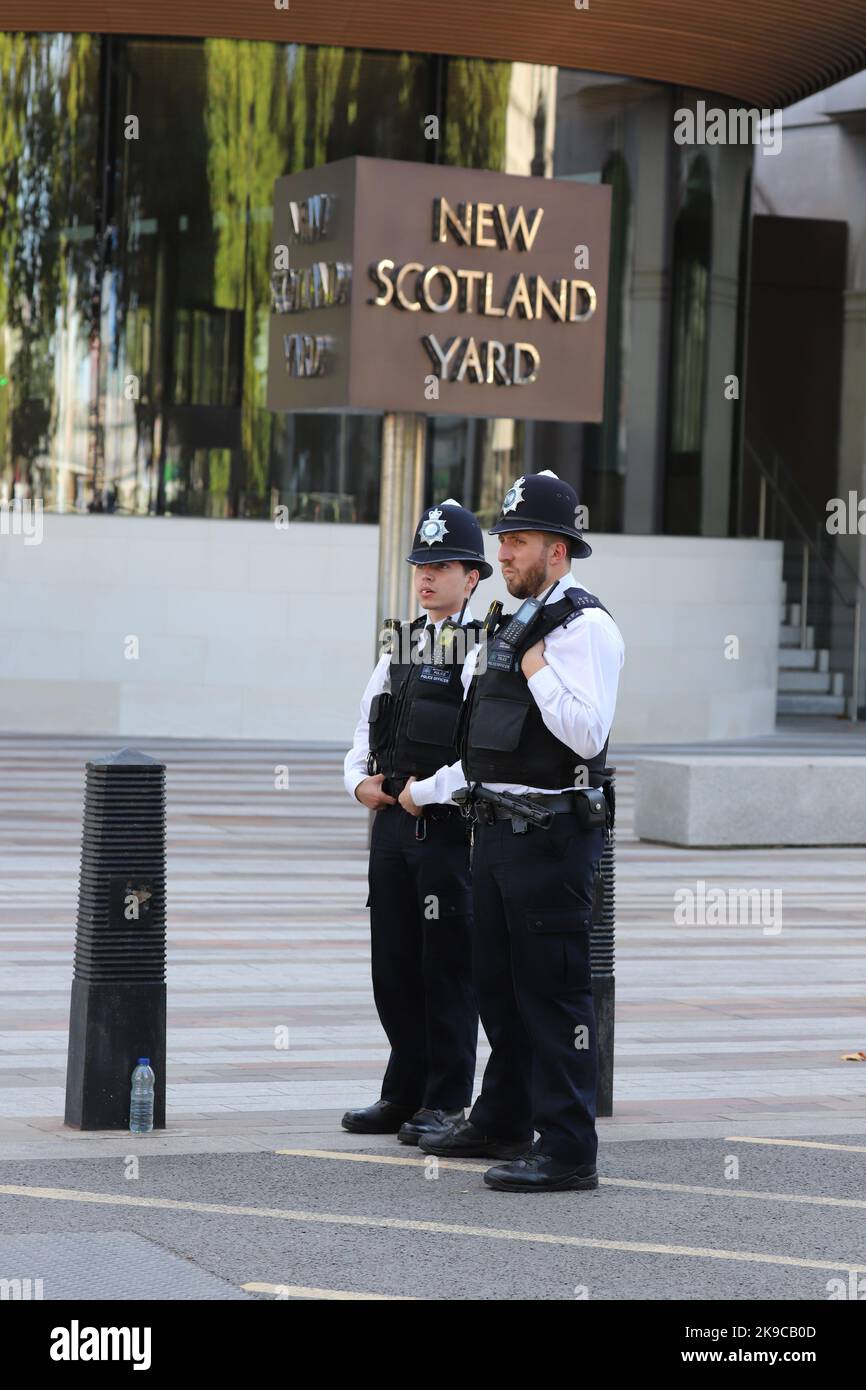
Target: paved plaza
{"points": [[732, 1166]]}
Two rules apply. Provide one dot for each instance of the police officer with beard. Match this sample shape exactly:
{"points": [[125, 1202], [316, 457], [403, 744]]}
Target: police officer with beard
{"points": [[420, 897], [533, 741]]}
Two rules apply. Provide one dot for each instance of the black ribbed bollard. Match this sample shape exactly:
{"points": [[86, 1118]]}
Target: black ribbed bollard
{"points": [[601, 948], [117, 1012]]}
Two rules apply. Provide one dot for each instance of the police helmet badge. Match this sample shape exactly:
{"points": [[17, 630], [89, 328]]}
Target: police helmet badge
{"points": [[513, 497], [433, 528]]}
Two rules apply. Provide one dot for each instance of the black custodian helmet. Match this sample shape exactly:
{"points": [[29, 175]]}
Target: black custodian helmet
{"points": [[542, 502], [449, 532]]}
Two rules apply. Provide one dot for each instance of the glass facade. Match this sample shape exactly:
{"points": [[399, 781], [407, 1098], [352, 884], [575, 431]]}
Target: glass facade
{"points": [[49, 257], [689, 341], [137, 179]]}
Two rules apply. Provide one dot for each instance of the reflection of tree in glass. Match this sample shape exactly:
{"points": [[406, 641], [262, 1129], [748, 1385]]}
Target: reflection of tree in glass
{"points": [[365, 103], [47, 177], [327, 66], [271, 110], [248, 123], [476, 109]]}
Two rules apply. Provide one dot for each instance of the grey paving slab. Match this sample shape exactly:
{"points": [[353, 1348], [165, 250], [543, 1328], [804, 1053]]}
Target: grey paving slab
{"points": [[80, 1265], [267, 928]]}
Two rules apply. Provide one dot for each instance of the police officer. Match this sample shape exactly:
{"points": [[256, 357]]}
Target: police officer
{"points": [[420, 896], [535, 727]]}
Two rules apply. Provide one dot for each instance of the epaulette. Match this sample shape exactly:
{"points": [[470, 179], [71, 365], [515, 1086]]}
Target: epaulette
{"points": [[580, 601]]}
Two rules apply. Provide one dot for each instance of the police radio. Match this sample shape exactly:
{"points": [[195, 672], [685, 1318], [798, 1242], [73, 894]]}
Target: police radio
{"points": [[501, 656], [494, 613]]}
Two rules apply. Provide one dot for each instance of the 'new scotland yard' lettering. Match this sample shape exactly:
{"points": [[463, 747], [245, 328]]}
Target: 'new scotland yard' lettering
{"points": [[441, 289], [472, 224]]}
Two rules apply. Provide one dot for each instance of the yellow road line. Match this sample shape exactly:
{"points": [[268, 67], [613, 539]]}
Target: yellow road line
{"points": [[807, 1199], [394, 1223], [299, 1291], [796, 1143], [401, 1160]]}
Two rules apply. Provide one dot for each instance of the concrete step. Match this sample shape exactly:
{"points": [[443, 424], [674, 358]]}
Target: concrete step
{"points": [[811, 682], [800, 659], [789, 635], [752, 799], [810, 704]]}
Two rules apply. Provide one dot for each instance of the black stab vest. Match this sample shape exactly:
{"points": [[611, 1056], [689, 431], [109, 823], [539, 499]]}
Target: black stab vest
{"points": [[502, 736], [413, 727]]}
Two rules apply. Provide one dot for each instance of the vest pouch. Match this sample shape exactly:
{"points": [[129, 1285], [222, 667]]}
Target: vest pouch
{"points": [[591, 807], [498, 723], [433, 721], [380, 720]]}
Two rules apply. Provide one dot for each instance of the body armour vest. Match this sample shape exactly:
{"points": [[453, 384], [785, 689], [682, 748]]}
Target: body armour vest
{"points": [[413, 727], [502, 736]]}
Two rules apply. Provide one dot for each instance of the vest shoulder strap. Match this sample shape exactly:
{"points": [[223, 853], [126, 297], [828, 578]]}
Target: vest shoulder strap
{"points": [[579, 602]]}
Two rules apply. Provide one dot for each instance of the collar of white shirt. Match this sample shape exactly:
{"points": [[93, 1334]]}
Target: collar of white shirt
{"points": [[455, 617], [566, 581]]}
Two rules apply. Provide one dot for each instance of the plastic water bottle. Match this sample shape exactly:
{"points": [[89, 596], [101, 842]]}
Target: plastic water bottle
{"points": [[141, 1098]]}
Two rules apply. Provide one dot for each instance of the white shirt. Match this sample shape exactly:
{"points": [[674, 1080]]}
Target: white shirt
{"points": [[355, 761], [575, 692]]}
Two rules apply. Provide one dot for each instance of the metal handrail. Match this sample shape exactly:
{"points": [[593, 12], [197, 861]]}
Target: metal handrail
{"points": [[810, 547], [792, 486], [779, 496]]}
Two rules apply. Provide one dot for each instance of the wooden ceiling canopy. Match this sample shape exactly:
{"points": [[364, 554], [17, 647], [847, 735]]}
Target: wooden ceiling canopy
{"points": [[765, 52]]}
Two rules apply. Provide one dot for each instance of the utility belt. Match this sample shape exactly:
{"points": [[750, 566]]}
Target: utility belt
{"points": [[481, 806], [392, 786]]}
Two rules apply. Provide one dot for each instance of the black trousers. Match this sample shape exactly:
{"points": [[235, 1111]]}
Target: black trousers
{"points": [[533, 906], [421, 947]]}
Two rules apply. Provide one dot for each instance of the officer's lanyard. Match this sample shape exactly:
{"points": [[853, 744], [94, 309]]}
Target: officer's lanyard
{"points": [[436, 638]]}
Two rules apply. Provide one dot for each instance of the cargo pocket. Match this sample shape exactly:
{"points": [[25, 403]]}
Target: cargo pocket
{"points": [[433, 721], [545, 920], [558, 947], [597, 894], [453, 906], [448, 939], [498, 723]]}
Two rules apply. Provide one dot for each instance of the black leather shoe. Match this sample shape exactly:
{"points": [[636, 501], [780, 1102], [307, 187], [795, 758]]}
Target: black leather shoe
{"points": [[463, 1140], [383, 1117], [541, 1173], [427, 1123]]}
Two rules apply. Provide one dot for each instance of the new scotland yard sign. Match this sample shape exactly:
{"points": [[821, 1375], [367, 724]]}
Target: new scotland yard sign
{"points": [[432, 289]]}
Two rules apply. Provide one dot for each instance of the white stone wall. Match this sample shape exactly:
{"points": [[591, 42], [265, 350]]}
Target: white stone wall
{"points": [[246, 631]]}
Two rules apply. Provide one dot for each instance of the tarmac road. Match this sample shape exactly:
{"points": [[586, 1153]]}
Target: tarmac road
{"points": [[339, 1220]]}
